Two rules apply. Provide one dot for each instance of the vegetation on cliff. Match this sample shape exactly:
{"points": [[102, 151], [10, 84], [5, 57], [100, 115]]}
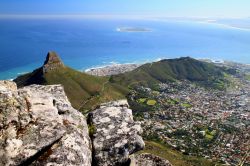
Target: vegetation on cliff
{"points": [[83, 90], [170, 70], [86, 91]]}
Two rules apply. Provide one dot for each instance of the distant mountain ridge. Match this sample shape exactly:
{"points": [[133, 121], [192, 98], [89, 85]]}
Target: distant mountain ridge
{"points": [[86, 91], [185, 68], [52, 62]]}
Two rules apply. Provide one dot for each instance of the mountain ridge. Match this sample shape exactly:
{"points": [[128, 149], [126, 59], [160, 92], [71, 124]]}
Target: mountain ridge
{"points": [[171, 70], [85, 91], [79, 87]]}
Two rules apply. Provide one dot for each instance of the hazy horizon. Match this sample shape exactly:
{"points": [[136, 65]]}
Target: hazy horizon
{"points": [[121, 16], [166, 8], [79, 30]]}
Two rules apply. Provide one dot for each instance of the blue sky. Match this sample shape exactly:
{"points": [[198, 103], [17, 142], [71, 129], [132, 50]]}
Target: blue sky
{"points": [[179, 8]]}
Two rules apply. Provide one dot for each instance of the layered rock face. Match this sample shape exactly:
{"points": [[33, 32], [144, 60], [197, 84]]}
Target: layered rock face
{"points": [[38, 126], [115, 135], [52, 62]]}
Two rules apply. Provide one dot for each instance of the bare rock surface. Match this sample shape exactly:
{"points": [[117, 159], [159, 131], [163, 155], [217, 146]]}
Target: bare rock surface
{"points": [[38, 126], [146, 159], [52, 62], [116, 134]]}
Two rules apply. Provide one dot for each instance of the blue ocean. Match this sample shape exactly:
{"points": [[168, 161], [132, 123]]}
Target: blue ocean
{"points": [[86, 43]]}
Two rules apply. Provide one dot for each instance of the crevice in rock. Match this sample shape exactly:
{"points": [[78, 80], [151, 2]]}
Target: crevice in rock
{"points": [[126, 163], [39, 104], [40, 153], [54, 102], [28, 104], [61, 112], [90, 123], [47, 154]]}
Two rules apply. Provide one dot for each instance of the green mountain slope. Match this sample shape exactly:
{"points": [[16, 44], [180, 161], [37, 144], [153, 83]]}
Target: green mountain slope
{"points": [[84, 91], [202, 73], [175, 157]]}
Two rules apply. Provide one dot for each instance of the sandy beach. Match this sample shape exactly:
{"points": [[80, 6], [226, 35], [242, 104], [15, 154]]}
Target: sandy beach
{"points": [[113, 69]]}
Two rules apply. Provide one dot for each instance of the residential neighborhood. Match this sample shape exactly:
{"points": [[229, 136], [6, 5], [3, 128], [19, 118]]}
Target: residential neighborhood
{"points": [[197, 121]]}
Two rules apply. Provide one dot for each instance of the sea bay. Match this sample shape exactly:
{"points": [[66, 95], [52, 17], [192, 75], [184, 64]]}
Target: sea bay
{"points": [[85, 43]]}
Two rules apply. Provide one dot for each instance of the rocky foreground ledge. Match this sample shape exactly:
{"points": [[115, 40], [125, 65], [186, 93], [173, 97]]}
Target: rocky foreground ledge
{"points": [[116, 135], [38, 126]]}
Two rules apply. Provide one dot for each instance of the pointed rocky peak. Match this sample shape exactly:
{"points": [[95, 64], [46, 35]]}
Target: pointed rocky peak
{"points": [[52, 58], [52, 62]]}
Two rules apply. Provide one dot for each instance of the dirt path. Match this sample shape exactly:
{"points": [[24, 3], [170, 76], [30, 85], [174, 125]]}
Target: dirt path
{"points": [[92, 97]]}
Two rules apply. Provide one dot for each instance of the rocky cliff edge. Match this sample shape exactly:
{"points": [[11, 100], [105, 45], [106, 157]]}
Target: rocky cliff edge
{"points": [[38, 126], [115, 134]]}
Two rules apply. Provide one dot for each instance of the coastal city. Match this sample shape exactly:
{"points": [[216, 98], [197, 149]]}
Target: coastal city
{"points": [[197, 121], [125, 83]]}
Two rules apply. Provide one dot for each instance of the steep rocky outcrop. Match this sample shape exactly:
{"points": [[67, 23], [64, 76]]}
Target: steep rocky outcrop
{"points": [[147, 159], [79, 86], [52, 62], [38, 126], [115, 134]]}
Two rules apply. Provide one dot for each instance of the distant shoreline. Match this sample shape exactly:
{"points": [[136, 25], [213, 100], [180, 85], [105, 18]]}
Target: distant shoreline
{"points": [[117, 68], [225, 25], [84, 46], [112, 69]]}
